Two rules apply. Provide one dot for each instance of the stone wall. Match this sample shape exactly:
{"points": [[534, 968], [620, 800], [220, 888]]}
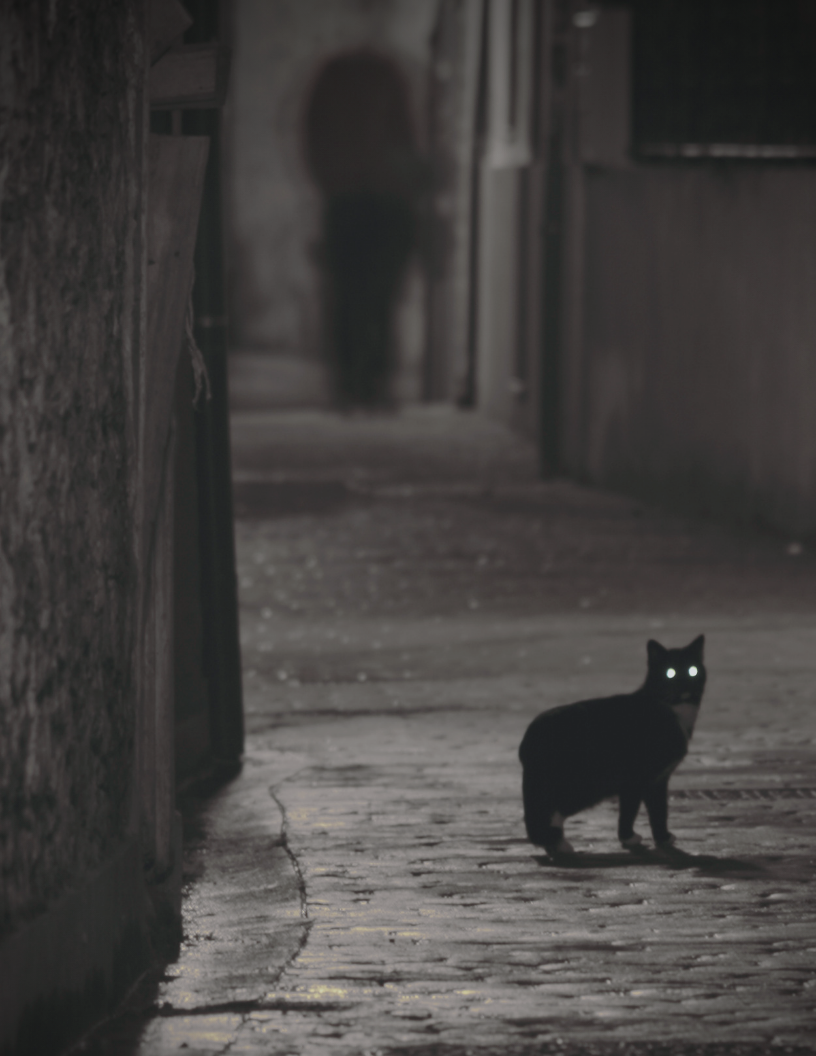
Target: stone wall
{"points": [[70, 311]]}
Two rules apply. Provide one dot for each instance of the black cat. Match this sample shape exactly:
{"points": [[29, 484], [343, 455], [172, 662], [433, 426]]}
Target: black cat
{"points": [[625, 746]]}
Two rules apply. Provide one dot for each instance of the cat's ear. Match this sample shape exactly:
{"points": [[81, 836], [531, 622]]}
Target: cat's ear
{"points": [[696, 646], [655, 651]]}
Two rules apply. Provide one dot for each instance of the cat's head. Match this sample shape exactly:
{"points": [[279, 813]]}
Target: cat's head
{"points": [[677, 676]]}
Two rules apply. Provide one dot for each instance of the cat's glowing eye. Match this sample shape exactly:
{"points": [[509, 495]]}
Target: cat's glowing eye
{"points": [[692, 671], [671, 673]]}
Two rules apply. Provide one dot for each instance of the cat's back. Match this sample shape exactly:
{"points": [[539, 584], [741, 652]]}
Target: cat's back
{"points": [[598, 713], [628, 723]]}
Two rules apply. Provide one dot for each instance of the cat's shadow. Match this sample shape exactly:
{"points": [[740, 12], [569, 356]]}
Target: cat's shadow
{"points": [[670, 858]]}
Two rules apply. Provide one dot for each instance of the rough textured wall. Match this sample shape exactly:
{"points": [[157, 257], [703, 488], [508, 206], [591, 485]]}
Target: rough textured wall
{"points": [[700, 337], [274, 209], [70, 157]]}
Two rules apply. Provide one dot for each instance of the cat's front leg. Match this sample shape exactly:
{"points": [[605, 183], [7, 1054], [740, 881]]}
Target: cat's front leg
{"points": [[656, 799], [628, 807]]}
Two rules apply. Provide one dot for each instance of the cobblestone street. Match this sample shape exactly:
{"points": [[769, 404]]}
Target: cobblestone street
{"points": [[411, 597]]}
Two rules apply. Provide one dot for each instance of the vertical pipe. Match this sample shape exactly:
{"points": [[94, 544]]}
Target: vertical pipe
{"points": [[554, 108], [216, 531]]}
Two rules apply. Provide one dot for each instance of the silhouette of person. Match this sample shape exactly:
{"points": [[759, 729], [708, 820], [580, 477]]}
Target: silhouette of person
{"points": [[361, 152]]}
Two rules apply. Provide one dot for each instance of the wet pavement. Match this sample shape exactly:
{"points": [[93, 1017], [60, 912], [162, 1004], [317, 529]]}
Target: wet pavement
{"points": [[411, 597]]}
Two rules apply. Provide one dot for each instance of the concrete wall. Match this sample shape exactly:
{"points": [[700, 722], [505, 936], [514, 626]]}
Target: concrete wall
{"points": [[691, 364], [700, 337], [273, 209], [71, 305]]}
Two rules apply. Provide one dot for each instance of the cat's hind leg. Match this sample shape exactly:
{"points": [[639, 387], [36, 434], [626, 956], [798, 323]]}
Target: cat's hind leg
{"points": [[549, 834], [628, 806], [556, 842], [544, 824]]}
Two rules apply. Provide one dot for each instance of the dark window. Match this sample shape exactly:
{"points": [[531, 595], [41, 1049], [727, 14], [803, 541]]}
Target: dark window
{"points": [[724, 78]]}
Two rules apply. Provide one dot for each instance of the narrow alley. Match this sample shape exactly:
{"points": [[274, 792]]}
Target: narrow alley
{"points": [[411, 596], [376, 375]]}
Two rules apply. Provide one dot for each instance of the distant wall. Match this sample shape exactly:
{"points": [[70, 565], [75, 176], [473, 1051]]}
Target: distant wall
{"points": [[699, 337], [509, 179], [70, 304], [273, 210], [497, 311]]}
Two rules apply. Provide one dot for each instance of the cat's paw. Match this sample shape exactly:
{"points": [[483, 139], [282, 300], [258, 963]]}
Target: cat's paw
{"points": [[633, 842], [562, 847], [667, 844]]}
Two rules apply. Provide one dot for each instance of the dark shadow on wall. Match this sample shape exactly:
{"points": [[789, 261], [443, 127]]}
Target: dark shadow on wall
{"points": [[361, 150]]}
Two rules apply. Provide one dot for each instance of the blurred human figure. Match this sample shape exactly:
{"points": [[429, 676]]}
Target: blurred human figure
{"points": [[362, 153]]}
